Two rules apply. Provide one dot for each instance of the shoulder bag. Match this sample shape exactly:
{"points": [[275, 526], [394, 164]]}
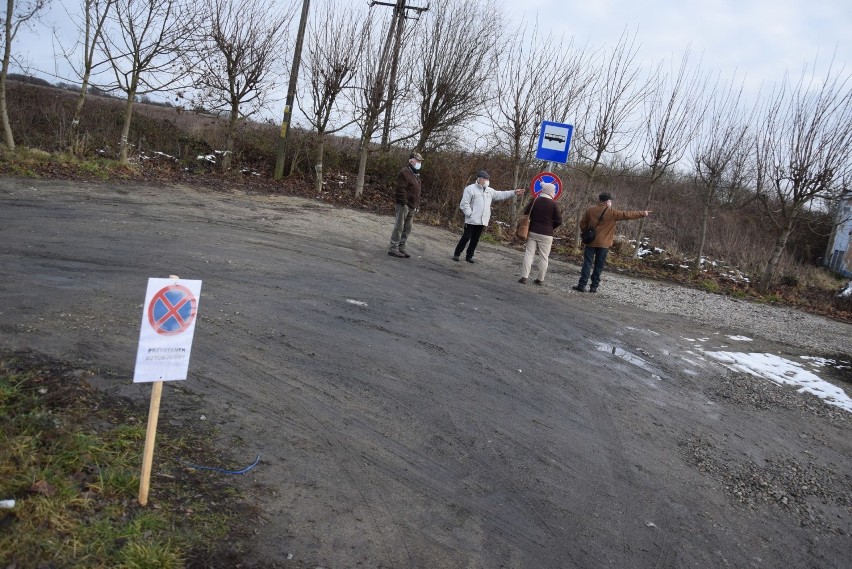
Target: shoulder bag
{"points": [[523, 229]]}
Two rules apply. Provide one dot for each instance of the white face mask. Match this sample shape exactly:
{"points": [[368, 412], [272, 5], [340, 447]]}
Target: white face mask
{"points": [[416, 165], [485, 183]]}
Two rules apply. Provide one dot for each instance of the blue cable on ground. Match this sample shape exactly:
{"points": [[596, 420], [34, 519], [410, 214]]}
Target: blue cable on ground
{"points": [[222, 470]]}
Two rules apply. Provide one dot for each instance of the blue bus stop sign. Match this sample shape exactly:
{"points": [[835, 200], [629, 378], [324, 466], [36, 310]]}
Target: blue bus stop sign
{"points": [[554, 140]]}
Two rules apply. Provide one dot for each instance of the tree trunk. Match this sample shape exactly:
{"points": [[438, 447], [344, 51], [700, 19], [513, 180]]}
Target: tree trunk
{"points": [[229, 140], [78, 108], [704, 217], [578, 213], [641, 231], [125, 130], [780, 243], [7, 52], [362, 169], [423, 139], [517, 204], [318, 166]]}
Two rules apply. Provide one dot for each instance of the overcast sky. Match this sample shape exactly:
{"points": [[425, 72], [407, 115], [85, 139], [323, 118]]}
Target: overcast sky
{"points": [[759, 39]]}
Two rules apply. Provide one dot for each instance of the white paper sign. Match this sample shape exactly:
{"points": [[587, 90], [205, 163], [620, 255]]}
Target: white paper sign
{"points": [[168, 325]]}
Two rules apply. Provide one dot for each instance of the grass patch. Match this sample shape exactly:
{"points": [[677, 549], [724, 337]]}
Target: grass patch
{"points": [[33, 163], [489, 237], [71, 459], [710, 286]]}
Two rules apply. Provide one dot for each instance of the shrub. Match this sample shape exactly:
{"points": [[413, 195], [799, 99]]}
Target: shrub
{"points": [[710, 286]]}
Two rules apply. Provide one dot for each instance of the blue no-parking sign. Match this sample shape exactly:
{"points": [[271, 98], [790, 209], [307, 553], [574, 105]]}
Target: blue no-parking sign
{"points": [[554, 140]]}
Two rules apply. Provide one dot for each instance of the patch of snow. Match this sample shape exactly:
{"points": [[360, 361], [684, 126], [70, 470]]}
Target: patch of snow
{"points": [[785, 372], [356, 302], [740, 338]]}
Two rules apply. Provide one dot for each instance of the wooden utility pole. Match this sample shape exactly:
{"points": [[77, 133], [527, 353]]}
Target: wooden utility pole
{"points": [[400, 14], [291, 92], [377, 103]]}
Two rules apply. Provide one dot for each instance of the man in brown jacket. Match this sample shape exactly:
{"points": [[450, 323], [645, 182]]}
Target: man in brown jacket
{"points": [[407, 204], [602, 217]]}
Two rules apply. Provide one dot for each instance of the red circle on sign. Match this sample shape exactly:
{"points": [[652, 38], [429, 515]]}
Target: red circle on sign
{"points": [[172, 310], [546, 177]]}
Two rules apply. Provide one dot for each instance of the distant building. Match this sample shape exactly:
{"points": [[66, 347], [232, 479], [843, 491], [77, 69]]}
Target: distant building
{"points": [[839, 258]]}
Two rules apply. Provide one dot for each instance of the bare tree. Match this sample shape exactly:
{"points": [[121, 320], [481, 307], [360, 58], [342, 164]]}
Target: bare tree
{"points": [[808, 155], [232, 58], [143, 48], [333, 51], [607, 125], [672, 109], [18, 14], [723, 134], [523, 98], [457, 53], [369, 98], [94, 18]]}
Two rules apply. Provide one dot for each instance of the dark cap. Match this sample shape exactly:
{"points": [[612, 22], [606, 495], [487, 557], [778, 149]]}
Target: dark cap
{"points": [[416, 156], [482, 174], [605, 197]]}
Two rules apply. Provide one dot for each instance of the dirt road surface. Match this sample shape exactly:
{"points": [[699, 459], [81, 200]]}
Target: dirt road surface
{"points": [[425, 413]]}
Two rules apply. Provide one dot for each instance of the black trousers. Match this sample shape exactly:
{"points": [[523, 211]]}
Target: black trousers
{"points": [[471, 234]]}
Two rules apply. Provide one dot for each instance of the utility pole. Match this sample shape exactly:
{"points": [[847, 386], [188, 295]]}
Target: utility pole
{"points": [[377, 102], [291, 92], [400, 14]]}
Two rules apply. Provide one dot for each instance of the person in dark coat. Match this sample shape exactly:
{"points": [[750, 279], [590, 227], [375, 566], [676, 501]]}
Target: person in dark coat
{"points": [[407, 198], [545, 216], [602, 217]]}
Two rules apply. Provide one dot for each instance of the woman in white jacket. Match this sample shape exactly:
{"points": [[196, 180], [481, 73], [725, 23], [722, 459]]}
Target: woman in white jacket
{"points": [[476, 205]]}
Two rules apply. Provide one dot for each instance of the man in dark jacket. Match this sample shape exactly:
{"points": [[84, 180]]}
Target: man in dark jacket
{"points": [[602, 217], [407, 204]]}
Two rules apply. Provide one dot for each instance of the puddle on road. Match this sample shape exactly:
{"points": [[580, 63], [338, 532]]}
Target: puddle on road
{"points": [[629, 358]]}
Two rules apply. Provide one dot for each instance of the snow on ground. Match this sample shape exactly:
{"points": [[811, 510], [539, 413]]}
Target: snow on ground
{"points": [[785, 372]]}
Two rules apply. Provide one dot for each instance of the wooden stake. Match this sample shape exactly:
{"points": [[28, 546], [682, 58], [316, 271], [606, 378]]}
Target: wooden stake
{"points": [[150, 437]]}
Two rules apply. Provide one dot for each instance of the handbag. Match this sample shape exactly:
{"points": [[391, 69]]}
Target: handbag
{"points": [[590, 233], [523, 229]]}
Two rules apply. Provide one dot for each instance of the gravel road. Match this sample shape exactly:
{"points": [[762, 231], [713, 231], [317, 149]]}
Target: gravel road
{"points": [[425, 413]]}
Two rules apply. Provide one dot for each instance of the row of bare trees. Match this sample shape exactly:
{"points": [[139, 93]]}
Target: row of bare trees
{"points": [[454, 75], [221, 55]]}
